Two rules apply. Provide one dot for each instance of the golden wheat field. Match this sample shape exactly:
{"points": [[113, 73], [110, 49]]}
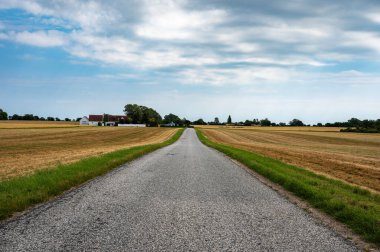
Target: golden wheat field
{"points": [[24, 150], [13, 124], [352, 157]]}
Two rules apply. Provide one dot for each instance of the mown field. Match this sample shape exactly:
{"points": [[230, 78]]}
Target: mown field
{"points": [[42, 145], [36, 124], [351, 157]]}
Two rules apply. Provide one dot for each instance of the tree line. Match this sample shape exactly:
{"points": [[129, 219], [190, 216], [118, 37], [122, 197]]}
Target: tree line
{"points": [[253, 122], [31, 117], [352, 124], [139, 114]]}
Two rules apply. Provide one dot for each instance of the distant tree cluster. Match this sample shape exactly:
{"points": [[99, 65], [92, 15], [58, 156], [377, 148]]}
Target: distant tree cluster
{"points": [[3, 115], [142, 115], [199, 122], [31, 117], [255, 122], [352, 125], [150, 117], [172, 118], [364, 126]]}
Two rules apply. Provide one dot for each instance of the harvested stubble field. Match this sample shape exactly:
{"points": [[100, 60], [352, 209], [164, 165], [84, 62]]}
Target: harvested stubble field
{"points": [[36, 124], [22, 151], [352, 157]]}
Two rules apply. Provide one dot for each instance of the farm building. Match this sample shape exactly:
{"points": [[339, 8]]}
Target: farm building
{"points": [[107, 120], [171, 124], [84, 121]]}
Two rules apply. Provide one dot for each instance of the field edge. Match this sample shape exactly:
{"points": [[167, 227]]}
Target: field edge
{"points": [[362, 221], [20, 193]]}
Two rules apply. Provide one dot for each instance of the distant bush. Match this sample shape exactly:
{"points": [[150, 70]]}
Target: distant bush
{"points": [[3, 115], [360, 130]]}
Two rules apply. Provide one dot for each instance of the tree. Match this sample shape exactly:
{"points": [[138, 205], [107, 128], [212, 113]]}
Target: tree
{"points": [[255, 122], [296, 122], [16, 117], [134, 112], [105, 118], [28, 117], [50, 118], [229, 120], [150, 116], [141, 114], [172, 118], [354, 122], [185, 122], [265, 122], [216, 121], [57, 119], [247, 123], [199, 122], [378, 124], [67, 119], [368, 124], [3, 115]]}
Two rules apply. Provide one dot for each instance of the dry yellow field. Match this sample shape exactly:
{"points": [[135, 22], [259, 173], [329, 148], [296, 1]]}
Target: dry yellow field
{"points": [[35, 124], [25, 150], [352, 157]]}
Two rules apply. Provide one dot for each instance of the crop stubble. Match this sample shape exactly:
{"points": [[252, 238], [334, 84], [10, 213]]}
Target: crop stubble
{"points": [[352, 157], [23, 151]]}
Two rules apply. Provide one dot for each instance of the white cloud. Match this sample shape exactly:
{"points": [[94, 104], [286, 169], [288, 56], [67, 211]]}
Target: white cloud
{"points": [[28, 5], [374, 17], [284, 61], [3, 36], [111, 50], [168, 20], [367, 40], [168, 33], [49, 38], [238, 76]]}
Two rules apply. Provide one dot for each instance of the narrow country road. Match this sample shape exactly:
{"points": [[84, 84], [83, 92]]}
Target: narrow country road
{"points": [[184, 197]]}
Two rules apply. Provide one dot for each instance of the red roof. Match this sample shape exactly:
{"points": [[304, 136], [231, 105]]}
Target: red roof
{"points": [[114, 118], [111, 118], [95, 118]]}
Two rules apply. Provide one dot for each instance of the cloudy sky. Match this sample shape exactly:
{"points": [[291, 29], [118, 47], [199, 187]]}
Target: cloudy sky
{"points": [[313, 60]]}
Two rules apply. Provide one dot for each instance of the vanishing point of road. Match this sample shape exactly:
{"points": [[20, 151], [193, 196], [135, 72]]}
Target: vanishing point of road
{"points": [[184, 197]]}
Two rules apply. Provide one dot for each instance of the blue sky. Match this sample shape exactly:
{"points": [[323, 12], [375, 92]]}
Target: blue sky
{"points": [[313, 60]]}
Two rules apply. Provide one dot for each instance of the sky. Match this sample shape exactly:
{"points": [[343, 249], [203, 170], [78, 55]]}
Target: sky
{"points": [[315, 60]]}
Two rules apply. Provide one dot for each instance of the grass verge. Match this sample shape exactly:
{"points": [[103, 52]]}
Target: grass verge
{"points": [[20, 193], [359, 209]]}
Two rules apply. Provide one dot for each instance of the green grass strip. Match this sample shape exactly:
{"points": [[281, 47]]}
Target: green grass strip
{"points": [[20, 193], [359, 209]]}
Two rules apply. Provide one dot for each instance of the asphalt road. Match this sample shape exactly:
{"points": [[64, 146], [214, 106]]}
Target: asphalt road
{"points": [[184, 197]]}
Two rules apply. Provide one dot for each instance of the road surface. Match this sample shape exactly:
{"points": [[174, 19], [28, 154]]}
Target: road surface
{"points": [[184, 197]]}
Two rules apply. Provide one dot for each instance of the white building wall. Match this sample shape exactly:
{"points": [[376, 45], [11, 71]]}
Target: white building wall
{"points": [[83, 121], [131, 125]]}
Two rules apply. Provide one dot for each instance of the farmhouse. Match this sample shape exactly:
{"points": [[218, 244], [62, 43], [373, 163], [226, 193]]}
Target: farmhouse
{"points": [[171, 124], [106, 120], [84, 121]]}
